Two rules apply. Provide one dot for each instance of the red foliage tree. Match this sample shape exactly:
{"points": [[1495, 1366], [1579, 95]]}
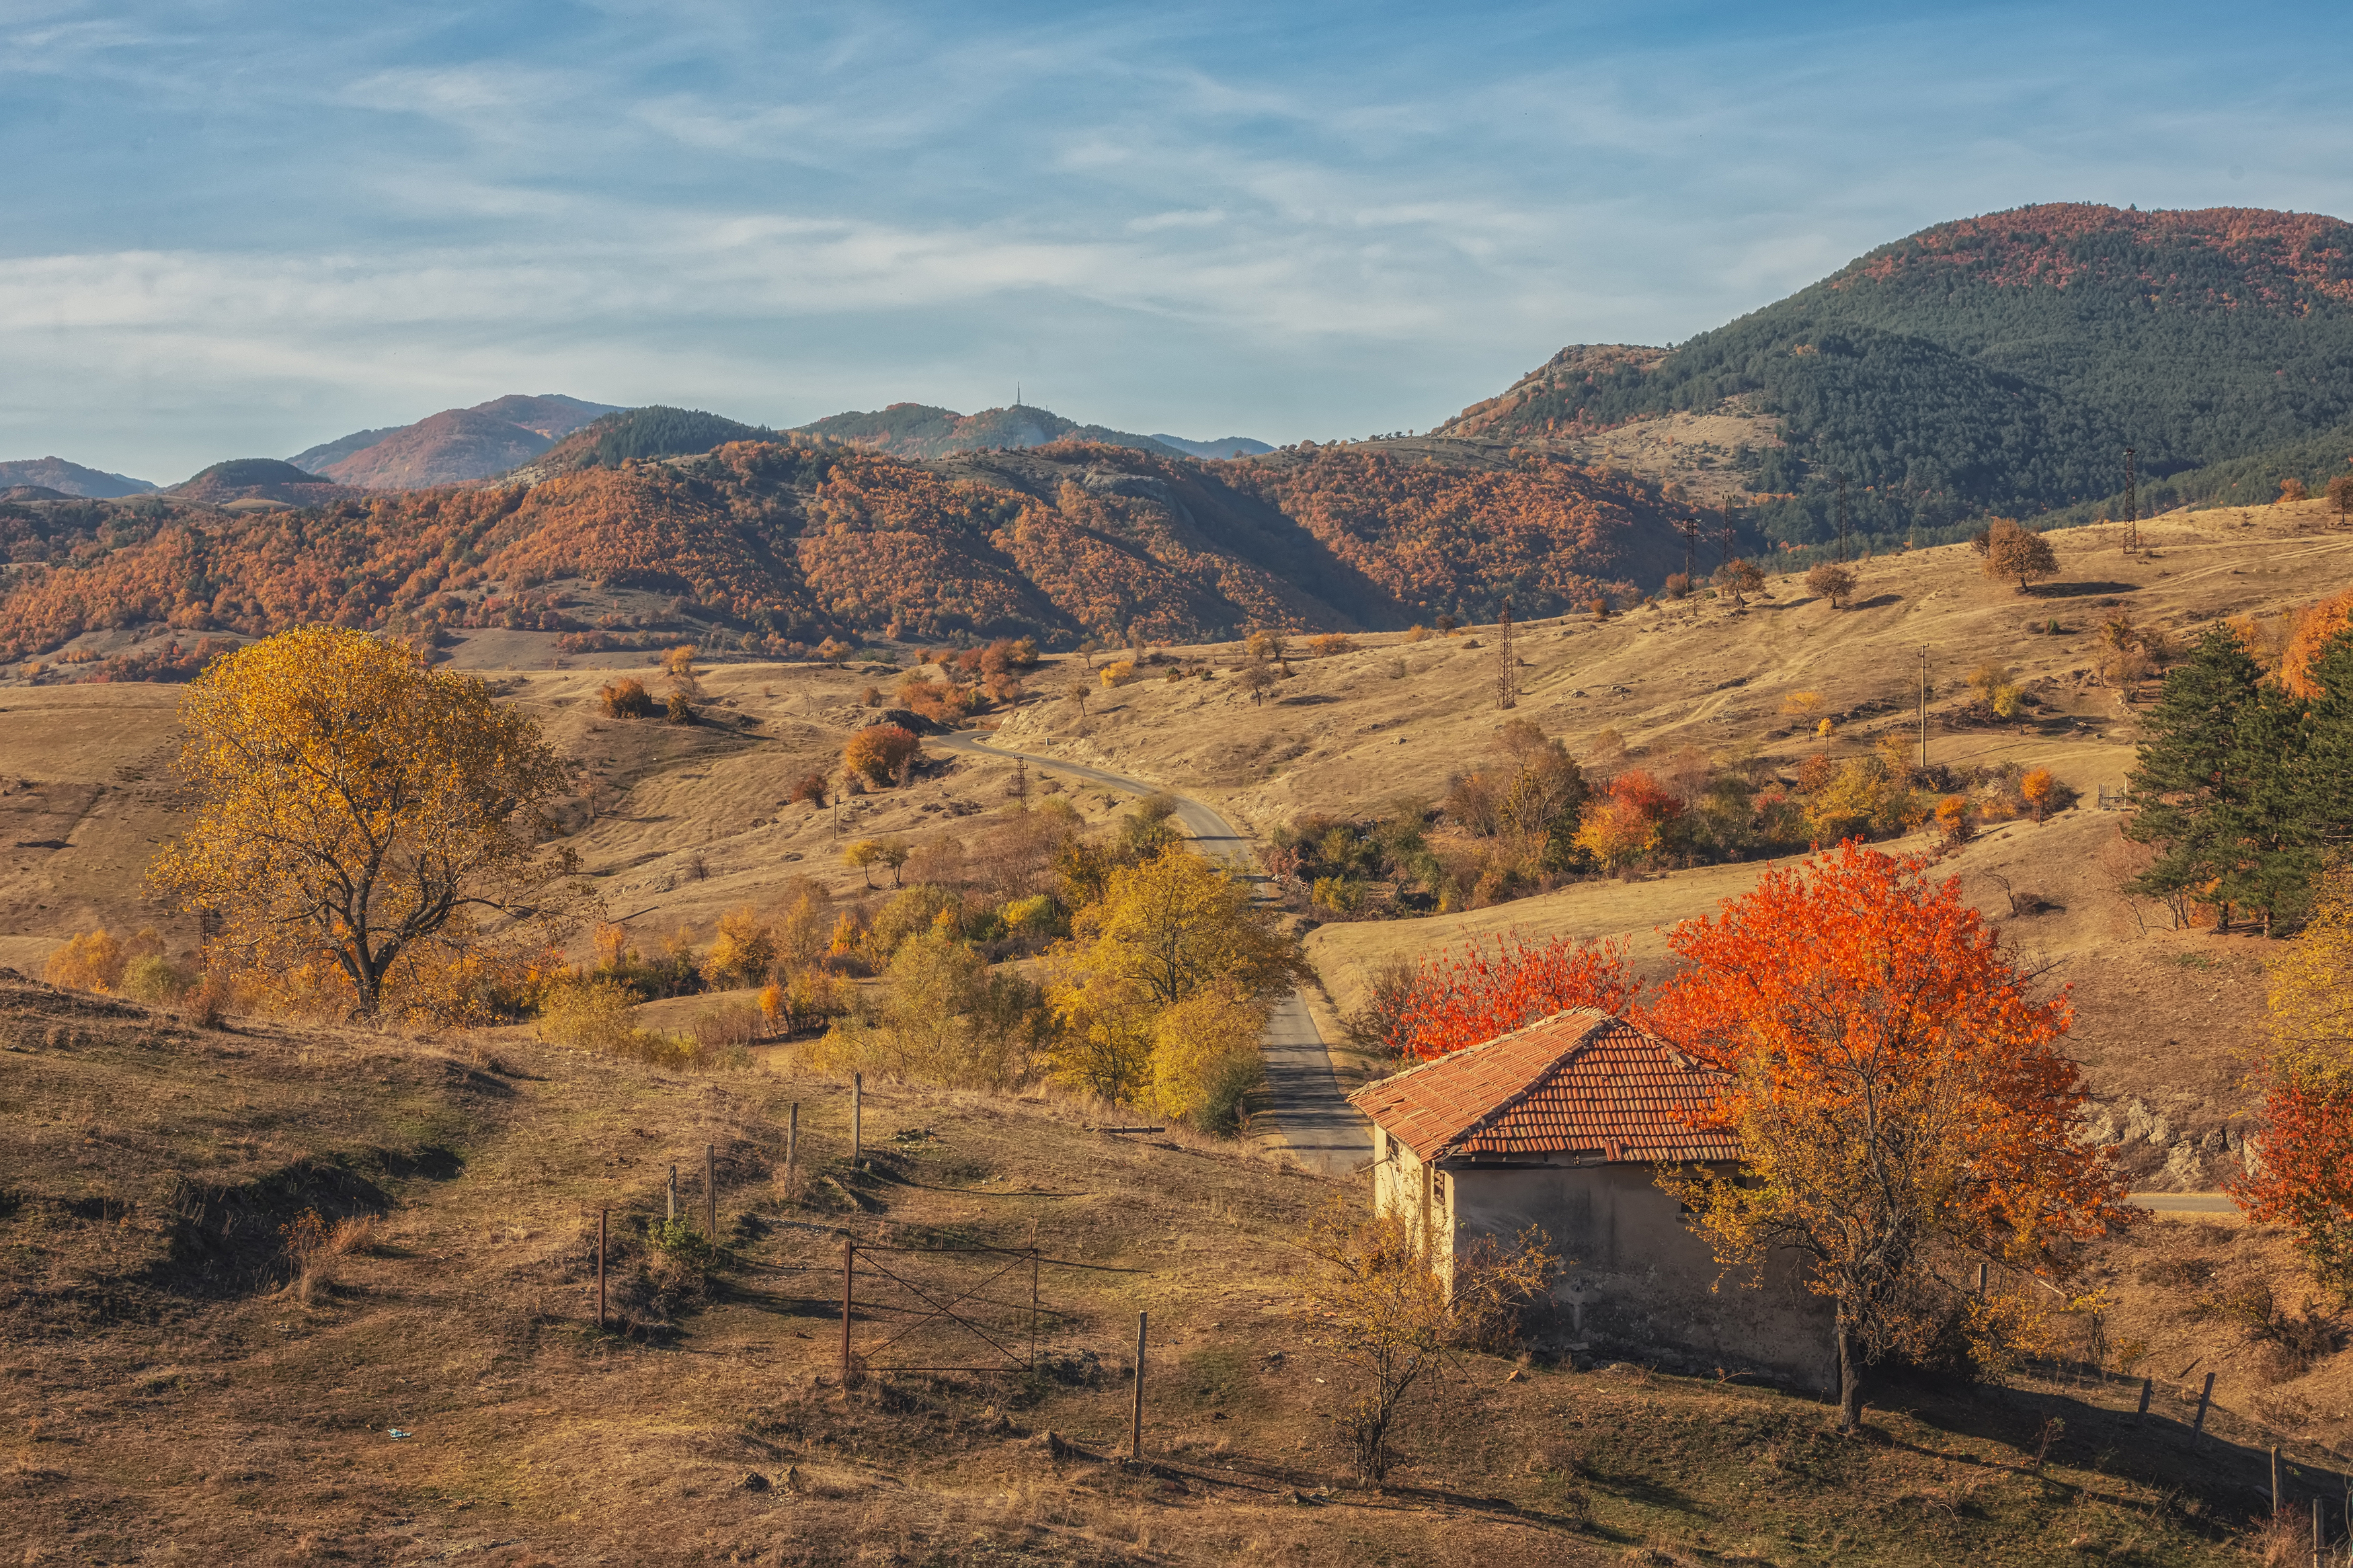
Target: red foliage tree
{"points": [[1462, 999], [2304, 1175], [1898, 1092]]}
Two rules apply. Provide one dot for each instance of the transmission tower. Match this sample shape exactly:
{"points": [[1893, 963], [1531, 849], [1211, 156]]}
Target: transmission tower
{"points": [[1691, 539], [2132, 506], [1507, 663]]}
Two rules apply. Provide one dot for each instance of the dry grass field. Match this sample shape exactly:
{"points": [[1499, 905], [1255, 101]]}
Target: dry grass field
{"points": [[175, 1385]]}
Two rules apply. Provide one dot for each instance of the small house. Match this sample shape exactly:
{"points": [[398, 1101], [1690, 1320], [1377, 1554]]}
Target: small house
{"points": [[1562, 1125]]}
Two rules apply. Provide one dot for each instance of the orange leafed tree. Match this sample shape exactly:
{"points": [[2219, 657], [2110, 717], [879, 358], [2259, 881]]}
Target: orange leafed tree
{"points": [[1899, 1092], [2304, 1180], [1460, 999]]}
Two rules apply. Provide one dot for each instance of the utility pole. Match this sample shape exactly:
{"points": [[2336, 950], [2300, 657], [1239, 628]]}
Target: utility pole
{"points": [[2132, 506], [1924, 708], [1841, 518], [1691, 538], [1507, 672]]}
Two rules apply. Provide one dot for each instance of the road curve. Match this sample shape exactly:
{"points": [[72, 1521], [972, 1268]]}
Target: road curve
{"points": [[1320, 1128]]}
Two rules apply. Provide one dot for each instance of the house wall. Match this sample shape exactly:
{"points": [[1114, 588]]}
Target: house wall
{"points": [[1634, 1275]]}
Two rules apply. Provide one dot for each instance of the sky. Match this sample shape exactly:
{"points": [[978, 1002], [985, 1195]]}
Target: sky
{"points": [[240, 229]]}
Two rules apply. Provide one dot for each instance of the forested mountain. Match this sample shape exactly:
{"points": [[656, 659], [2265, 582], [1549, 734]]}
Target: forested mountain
{"points": [[69, 478], [1998, 364], [919, 430], [775, 545], [453, 445]]}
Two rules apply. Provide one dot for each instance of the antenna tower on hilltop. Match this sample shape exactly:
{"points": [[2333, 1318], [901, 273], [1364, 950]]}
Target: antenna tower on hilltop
{"points": [[2132, 506], [1507, 663]]}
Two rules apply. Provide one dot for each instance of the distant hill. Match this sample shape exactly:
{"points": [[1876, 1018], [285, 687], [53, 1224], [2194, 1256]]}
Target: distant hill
{"points": [[650, 432], [316, 459], [776, 544], [256, 479], [1225, 446], [69, 478], [919, 430], [1997, 365], [456, 445]]}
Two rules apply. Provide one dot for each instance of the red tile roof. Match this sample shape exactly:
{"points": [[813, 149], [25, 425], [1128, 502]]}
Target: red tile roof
{"points": [[1580, 1080]]}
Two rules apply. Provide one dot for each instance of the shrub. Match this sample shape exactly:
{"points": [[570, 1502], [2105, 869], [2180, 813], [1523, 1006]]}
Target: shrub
{"points": [[1341, 895], [1035, 916], [679, 709], [736, 1023], [90, 961], [1329, 644], [880, 753], [810, 790], [626, 699], [589, 1015], [1120, 673], [2292, 489], [155, 980]]}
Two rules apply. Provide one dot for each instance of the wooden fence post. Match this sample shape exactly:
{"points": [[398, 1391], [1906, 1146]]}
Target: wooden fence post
{"points": [[2205, 1397], [793, 1146], [849, 1263], [1136, 1416], [2319, 1531], [673, 1192], [2147, 1388], [2276, 1492], [603, 1216], [1981, 1281], [857, 1120], [710, 1191]]}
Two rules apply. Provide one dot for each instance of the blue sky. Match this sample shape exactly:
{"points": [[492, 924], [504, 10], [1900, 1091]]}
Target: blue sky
{"points": [[238, 229]]}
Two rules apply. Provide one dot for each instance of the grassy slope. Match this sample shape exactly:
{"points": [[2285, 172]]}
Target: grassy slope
{"points": [[162, 1390]]}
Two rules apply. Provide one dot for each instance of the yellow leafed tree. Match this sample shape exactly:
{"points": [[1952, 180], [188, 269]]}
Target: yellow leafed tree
{"points": [[369, 833], [1165, 931]]}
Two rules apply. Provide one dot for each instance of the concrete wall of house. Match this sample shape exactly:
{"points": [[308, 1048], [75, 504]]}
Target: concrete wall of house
{"points": [[1636, 1274]]}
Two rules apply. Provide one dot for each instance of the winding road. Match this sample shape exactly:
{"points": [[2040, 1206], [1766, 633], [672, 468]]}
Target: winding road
{"points": [[1320, 1128]]}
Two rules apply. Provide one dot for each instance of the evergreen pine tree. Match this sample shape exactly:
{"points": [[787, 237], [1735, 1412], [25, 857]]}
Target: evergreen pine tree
{"points": [[2187, 790]]}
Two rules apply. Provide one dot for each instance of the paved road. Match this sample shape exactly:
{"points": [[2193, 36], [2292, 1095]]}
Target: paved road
{"points": [[1321, 1130], [2186, 1203]]}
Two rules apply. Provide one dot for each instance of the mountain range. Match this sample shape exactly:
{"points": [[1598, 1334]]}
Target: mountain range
{"points": [[919, 430], [1994, 365]]}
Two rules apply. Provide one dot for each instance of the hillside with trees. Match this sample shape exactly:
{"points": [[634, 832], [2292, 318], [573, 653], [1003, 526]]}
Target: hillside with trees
{"points": [[775, 546], [1998, 365]]}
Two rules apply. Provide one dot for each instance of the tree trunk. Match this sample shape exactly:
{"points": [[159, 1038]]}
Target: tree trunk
{"points": [[1849, 1381]]}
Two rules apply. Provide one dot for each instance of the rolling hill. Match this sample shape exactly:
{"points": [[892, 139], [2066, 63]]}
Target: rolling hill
{"points": [[1997, 365], [453, 445], [69, 478], [776, 545]]}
